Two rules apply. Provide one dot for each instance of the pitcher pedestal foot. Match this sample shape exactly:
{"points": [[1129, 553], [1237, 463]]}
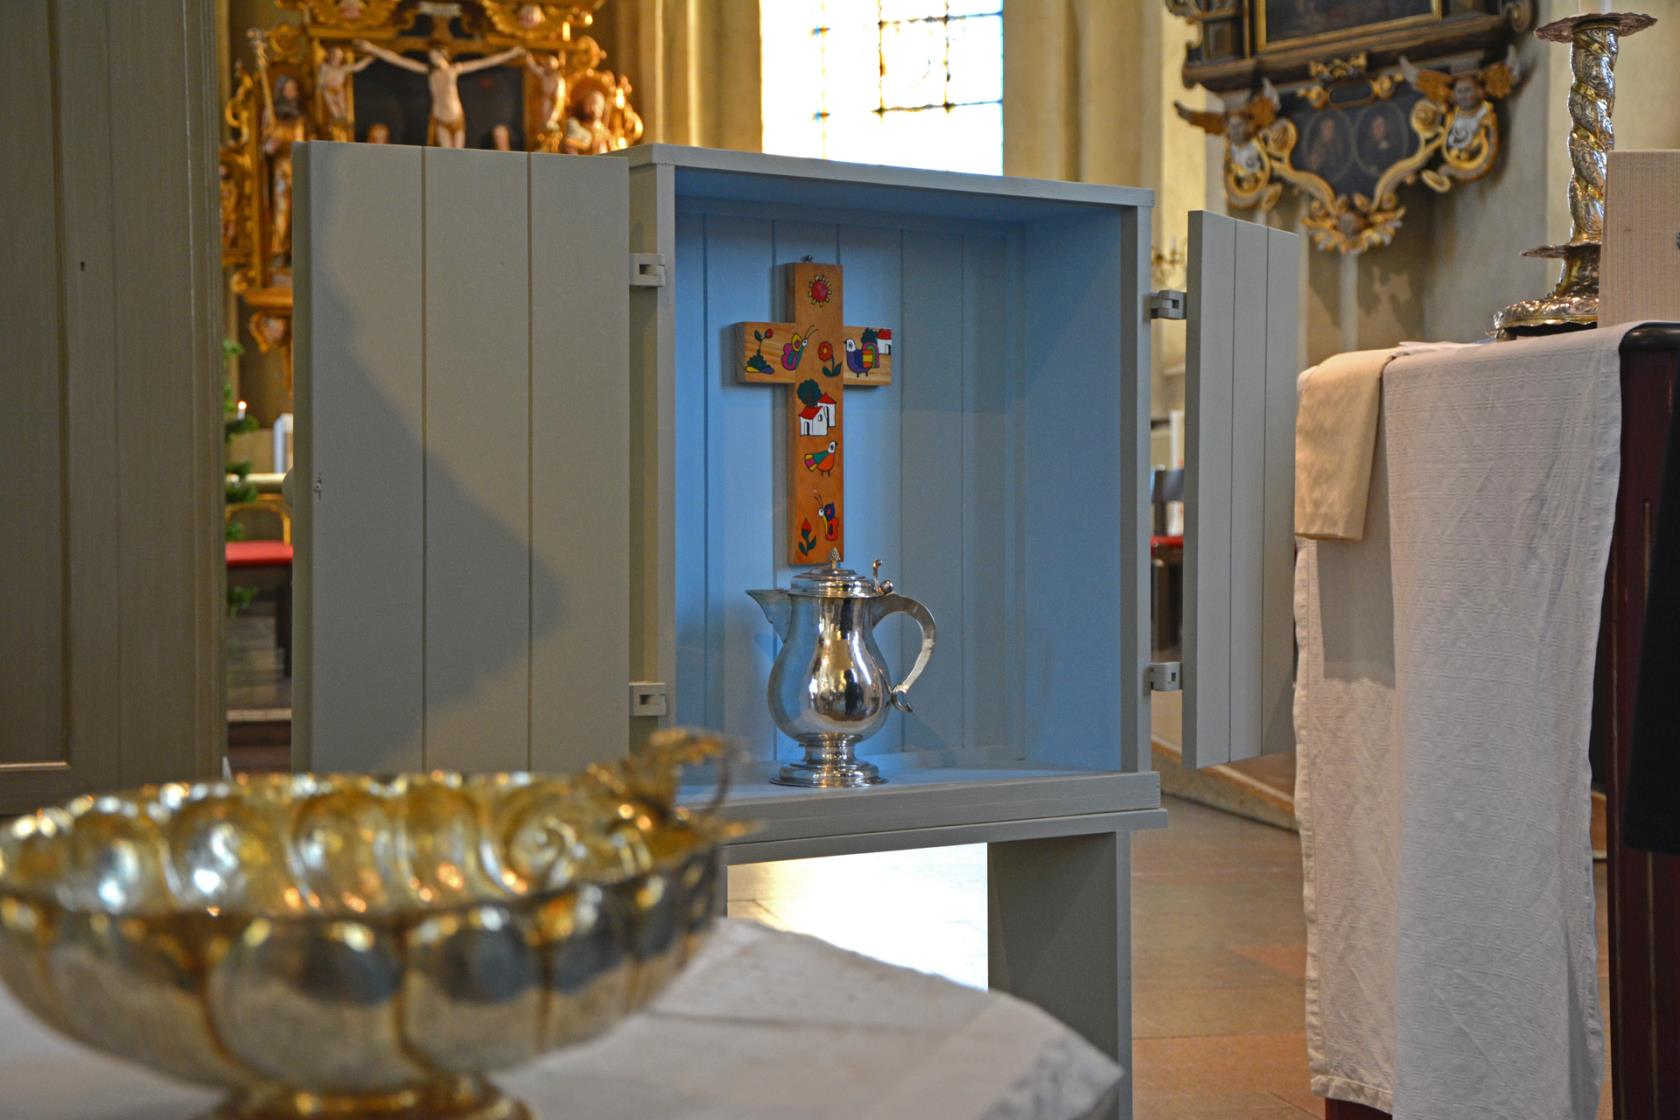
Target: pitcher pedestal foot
{"points": [[828, 767]]}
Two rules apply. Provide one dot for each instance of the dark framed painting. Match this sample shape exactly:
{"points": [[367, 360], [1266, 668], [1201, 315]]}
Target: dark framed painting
{"points": [[1297, 23]]}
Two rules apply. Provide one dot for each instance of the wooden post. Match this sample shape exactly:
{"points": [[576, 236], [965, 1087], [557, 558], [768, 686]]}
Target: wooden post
{"points": [[1060, 932]]}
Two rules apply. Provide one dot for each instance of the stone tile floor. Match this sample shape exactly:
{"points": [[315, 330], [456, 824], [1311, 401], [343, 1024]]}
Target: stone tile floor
{"points": [[1218, 950]]}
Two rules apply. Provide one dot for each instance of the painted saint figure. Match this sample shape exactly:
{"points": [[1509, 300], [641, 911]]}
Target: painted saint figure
{"points": [[587, 131], [443, 75], [332, 86], [283, 124]]}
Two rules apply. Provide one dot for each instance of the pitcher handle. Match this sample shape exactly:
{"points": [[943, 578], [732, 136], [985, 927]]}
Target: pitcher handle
{"points": [[896, 604]]}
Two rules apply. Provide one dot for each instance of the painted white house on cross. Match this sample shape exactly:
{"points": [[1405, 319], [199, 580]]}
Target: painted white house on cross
{"points": [[817, 419]]}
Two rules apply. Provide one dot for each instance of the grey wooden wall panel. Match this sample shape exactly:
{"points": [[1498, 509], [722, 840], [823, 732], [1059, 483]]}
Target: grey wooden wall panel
{"points": [[359, 470], [1247, 481], [932, 482], [872, 258], [1207, 495], [166, 278], [1277, 625], [690, 602], [1239, 490], [32, 454], [741, 485], [987, 464], [1136, 572], [94, 730], [478, 470], [579, 419]]}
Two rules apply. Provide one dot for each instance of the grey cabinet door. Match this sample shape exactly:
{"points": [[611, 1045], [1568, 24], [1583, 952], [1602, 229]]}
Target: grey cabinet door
{"points": [[1239, 484], [463, 448], [111, 459]]}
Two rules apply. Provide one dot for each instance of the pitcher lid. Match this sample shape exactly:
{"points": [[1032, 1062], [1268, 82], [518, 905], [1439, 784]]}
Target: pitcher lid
{"points": [[831, 581]]}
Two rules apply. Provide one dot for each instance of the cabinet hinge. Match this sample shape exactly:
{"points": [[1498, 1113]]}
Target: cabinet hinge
{"points": [[1165, 676], [647, 698], [1168, 303], [647, 270]]}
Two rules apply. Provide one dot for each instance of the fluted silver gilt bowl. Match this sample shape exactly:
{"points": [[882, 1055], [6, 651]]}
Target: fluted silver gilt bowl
{"points": [[355, 946]]}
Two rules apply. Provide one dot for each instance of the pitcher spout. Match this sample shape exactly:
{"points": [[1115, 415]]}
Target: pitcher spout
{"points": [[777, 607]]}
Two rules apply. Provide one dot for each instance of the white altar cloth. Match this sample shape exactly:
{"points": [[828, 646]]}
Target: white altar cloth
{"points": [[764, 1025], [1443, 777]]}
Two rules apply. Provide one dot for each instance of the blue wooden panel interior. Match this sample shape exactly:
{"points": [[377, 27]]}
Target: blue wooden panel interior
{"points": [[1071, 407], [740, 481], [986, 478], [992, 697], [931, 474]]}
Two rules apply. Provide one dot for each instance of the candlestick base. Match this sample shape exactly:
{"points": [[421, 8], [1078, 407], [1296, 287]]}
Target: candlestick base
{"points": [[1572, 305]]}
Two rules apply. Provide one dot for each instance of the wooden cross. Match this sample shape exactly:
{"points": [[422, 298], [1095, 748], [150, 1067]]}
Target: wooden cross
{"points": [[816, 356]]}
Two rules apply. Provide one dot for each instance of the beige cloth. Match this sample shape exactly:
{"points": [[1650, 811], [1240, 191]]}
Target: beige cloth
{"points": [[1335, 444]]}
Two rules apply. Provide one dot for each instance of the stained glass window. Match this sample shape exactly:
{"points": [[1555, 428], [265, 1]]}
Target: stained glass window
{"points": [[917, 83]]}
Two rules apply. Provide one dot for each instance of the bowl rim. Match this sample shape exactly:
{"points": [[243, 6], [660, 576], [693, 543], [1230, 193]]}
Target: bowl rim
{"points": [[700, 832]]}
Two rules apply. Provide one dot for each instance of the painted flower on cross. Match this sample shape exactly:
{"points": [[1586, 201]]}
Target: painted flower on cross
{"points": [[819, 290], [825, 351]]}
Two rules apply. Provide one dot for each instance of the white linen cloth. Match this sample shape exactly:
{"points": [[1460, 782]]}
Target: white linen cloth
{"points": [[1442, 780], [763, 1025]]}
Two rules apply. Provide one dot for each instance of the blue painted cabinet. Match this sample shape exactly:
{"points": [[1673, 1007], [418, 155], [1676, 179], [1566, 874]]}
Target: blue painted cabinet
{"points": [[533, 494]]}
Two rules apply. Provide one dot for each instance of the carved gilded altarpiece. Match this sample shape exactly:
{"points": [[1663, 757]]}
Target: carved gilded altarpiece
{"points": [[509, 74], [1346, 102]]}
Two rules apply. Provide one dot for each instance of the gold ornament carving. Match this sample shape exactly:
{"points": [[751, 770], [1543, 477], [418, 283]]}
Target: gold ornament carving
{"points": [[1313, 97], [301, 86]]}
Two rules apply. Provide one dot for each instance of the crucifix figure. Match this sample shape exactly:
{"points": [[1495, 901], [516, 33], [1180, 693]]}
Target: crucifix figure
{"points": [[816, 356], [443, 75]]}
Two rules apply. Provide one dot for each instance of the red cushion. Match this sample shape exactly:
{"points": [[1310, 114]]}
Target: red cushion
{"points": [[259, 554]]}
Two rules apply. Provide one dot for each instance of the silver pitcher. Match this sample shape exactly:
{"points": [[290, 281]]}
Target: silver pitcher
{"points": [[829, 688]]}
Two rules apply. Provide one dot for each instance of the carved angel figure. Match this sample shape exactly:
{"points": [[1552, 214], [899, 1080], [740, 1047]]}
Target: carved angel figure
{"points": [[1247, 168], [1471, 136]]}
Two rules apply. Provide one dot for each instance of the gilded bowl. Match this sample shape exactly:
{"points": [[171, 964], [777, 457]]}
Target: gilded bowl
{"points": [[347, 945]]}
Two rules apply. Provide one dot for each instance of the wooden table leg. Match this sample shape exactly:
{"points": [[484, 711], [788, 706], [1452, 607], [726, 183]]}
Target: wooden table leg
{"points": [[1060, 936]]}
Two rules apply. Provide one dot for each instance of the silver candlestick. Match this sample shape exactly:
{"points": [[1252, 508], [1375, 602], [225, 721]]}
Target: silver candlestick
{"points": [[1594, 38]]}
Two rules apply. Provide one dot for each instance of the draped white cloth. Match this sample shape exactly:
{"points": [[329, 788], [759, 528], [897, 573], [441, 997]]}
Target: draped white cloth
{"points": [[762, 1026], [1443, 782]]}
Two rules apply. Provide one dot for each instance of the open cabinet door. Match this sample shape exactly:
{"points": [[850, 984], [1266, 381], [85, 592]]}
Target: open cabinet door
{"points": [[461, 487], [1239, 490]]}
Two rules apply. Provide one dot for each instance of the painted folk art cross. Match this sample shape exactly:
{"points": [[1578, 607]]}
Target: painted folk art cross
{"points": [[817, 356]]}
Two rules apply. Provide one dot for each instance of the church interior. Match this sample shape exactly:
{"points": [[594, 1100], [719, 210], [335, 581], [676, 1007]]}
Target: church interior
{"points": [[1057, 559]]}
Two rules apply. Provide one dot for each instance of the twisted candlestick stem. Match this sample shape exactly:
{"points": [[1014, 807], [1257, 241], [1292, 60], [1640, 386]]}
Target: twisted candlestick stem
{"points": [[1592, 98]]}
